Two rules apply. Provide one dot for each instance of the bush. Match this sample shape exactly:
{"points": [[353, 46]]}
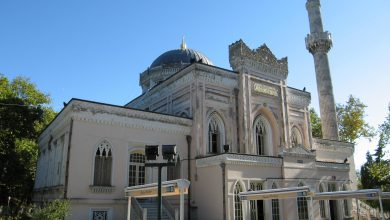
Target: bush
{"points": [[54, 210]]}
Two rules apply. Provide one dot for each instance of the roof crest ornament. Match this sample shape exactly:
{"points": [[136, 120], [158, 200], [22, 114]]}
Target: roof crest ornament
{"points": [[183, 45]]}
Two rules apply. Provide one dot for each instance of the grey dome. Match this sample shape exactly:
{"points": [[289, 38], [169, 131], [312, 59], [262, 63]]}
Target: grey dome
{"points": [[179, 57]]}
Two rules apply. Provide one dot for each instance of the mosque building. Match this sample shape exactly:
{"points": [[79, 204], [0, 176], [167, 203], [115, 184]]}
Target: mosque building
{"points": [[235, 130]]}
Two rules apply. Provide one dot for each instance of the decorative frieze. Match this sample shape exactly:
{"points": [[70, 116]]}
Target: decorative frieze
{"points": [[298, 98], [239, 159]]}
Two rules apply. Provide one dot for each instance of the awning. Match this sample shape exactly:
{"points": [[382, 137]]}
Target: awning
{"points": [[281, 193], [168, 188]]}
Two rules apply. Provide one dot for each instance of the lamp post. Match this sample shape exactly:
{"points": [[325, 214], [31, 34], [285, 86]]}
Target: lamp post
{"points": [[169, 154]]}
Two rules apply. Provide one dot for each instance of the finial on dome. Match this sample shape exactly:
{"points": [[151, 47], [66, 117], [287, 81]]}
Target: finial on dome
{"points": [[183, 45]]}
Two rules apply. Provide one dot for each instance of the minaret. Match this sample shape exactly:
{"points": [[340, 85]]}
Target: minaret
{"points": [[319, 43]]}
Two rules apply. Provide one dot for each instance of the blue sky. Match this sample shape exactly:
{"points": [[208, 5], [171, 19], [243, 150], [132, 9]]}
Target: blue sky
{"points": [[95, 50]]}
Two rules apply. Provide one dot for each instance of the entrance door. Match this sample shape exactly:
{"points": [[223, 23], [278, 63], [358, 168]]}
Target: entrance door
{"points": [[257, 207], [260, 210], [333, 209]]}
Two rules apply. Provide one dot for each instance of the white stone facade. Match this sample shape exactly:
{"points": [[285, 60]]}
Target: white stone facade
{"points": [[235, 130], [179, 109]]}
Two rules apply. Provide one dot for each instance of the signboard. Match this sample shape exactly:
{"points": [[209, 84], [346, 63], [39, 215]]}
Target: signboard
{"points": [[261, 88], [170, 190]]}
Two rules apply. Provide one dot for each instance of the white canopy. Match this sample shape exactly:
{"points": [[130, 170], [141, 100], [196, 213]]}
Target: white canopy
{"points": [[281, 193]]}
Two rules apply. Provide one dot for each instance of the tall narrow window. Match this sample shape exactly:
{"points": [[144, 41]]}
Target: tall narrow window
{"points": [[322, 204], [302, 207], [103, 165], [296, 137], [215, 133], [137, 169], [237, 202], [345, 204], [261, 135], [257, 207], [275, 206]]}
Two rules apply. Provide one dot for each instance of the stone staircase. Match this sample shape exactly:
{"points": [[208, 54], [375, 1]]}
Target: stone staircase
{"points": [[151, 206]]}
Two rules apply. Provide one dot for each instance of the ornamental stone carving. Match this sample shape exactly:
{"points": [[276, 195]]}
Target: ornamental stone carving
{"points": [[260, 59]]}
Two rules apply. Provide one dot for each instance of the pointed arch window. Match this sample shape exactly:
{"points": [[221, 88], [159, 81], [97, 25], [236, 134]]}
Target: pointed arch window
{"points": [[275, 206], [137, 169], [302, 207], [238, 215], [262, 136], [103, 165], [215, 133], [296, 137]]}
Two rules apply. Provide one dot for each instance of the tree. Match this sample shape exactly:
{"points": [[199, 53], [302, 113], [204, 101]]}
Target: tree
{"points": [[351, 123], [315, 122], [24, 112], [376, 171]]}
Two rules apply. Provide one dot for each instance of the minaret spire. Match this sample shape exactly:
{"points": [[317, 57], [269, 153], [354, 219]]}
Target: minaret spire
{"points": [[319, 43], [183, 44]]}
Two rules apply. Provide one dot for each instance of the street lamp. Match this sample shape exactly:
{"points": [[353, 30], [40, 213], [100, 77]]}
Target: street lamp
{"points": [[169, 154]]}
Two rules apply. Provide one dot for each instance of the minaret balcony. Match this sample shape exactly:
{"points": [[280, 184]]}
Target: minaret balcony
{"points": [[319, 42]]}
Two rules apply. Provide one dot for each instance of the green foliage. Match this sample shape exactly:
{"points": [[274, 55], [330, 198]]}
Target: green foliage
{"points": [[24, 112], [351, 123], [375, 173], [315, 122], [54, 210]]}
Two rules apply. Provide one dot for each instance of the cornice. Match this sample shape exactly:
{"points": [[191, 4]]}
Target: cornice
{"points": [[332, 166], [331, 145], [111, 115], [239, 159]]}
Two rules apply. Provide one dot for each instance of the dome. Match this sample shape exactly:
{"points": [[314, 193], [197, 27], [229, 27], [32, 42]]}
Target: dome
{"points": [[180, 56]]}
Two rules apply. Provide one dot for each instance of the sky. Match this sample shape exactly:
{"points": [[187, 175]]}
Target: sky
{"points": [[95, 50]]}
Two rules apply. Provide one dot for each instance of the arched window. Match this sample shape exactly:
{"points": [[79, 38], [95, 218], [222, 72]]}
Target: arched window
{"points": [[262, 136], [275, 206], [345, 204], [137, 168], [237, 202], [322, 204], [256, 206], [103, 165], [216, 133], [302, 207], [296, 137], [173, 172]]}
